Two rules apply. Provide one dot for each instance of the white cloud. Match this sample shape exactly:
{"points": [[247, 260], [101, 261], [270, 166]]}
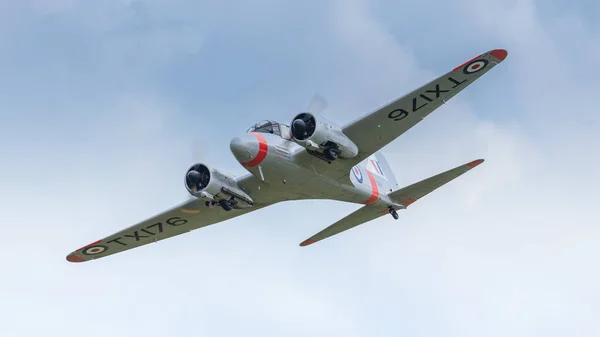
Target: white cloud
{"points": [[507, 249]]}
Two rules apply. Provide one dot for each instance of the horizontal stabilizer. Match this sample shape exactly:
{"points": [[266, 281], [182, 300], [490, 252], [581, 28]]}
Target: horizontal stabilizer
{"points": [[404, 196], [360, 216], [416, 191]]}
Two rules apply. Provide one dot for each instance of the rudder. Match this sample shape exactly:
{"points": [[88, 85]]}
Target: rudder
{"points": [[382, 172]]}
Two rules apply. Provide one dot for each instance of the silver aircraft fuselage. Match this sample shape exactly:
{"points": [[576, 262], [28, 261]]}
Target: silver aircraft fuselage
{"points": [[276, 161]]}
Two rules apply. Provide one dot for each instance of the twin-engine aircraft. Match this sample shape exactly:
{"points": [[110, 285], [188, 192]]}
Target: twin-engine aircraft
{"points": [[311, 158]]}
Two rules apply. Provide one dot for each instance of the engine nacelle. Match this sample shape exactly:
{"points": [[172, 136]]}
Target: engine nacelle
{"points": [[217, 188], [318, 134]]}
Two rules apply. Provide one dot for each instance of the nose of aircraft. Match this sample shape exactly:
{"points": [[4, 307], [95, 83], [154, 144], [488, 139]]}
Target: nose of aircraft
{"points": [[248, 149]]}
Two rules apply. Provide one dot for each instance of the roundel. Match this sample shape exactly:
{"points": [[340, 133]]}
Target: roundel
{"points": [[357, 174], [475, 66], [94, 250]]}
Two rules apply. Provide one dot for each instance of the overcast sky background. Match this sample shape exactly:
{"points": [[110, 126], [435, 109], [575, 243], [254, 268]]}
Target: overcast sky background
{"points": [[102, 102]]}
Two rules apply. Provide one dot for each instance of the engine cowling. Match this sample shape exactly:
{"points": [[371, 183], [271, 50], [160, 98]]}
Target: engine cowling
{"points": [[206, 183], [316, 133]]}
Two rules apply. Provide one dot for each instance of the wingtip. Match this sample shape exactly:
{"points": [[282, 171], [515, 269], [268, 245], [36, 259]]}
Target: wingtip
{"points": [[475, 163], [307, 242], [500, 54], [74, 258]]}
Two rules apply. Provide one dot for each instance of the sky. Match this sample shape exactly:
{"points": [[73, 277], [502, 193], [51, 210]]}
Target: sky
{"points": [[106, 103]]}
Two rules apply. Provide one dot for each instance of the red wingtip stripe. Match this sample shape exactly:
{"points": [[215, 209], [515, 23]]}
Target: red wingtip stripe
{"points": [[74, 258], [307, 242], [500, 54], [91, 244], [263, 148], [464, 64], [475, 163]]}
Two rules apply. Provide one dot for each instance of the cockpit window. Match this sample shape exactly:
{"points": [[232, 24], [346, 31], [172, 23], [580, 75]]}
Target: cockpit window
{"points": [[266, 127]]}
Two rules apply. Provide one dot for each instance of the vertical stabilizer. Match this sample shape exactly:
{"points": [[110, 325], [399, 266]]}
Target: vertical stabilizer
{"points": [[382, 172]]}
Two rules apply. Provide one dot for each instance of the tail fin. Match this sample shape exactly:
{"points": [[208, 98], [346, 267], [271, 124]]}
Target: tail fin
{"points": [[382, 172]]}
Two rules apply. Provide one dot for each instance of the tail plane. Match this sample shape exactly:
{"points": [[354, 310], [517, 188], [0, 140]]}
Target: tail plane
{"points": [[404, 196]]}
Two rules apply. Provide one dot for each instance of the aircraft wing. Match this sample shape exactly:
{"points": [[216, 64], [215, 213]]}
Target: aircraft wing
{"points": [[375, 130], [185, 217], [404, 196]]}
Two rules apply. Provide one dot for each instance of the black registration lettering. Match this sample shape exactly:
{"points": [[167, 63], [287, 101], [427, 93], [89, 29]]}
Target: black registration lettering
{"points": [[398, 114], [151, 230], [456, 83], [146, 231], [437, 91], [158, 225], [117, 240], [426, 98], [176, 221], [414, 108], [136, 236]]}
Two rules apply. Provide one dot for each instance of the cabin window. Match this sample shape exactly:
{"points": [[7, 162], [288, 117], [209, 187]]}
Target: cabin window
{"points": [[266, 127]]}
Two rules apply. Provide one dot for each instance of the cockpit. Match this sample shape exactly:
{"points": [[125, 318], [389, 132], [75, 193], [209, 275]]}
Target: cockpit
{"points": [[272, 127]]}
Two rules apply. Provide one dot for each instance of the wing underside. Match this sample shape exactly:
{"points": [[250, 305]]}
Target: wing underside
{"points": [[375, 130], [183, 218]]}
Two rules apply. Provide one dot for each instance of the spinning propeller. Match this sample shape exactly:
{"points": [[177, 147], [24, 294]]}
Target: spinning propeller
{"points": [[317, 104]]}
